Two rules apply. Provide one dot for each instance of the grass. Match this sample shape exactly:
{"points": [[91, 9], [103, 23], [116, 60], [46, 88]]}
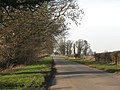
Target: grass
{"points": [[102, 66], [31, 77]]}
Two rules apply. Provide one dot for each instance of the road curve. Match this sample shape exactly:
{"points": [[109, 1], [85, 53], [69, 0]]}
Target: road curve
{"points": [[74, 76]]}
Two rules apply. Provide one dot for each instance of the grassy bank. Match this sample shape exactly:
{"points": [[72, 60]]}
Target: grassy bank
{"points": [[102, 66], [30, 77]]}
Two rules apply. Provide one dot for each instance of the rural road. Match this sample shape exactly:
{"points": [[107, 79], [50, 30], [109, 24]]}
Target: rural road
{"points": [[74, 76]]}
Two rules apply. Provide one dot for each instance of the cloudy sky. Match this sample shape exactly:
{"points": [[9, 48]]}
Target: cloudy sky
{"points": [[100, 25]]}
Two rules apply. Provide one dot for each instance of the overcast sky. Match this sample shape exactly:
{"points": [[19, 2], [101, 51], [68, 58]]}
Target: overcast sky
{"points": [[100, 25]]}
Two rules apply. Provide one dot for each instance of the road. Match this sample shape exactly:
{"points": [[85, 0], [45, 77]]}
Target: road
{"points": [[74, 76]]}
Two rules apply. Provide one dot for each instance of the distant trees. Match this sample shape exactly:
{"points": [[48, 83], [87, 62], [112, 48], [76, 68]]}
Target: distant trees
{"points": [[69, 44], [80, 48], [61, 47]]}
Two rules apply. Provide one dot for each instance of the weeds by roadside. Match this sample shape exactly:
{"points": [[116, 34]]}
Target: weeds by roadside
{"points": [[102, 66]]}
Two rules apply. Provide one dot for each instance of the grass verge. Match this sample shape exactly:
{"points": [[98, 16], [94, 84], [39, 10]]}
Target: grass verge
{"points": [[102, 66], [30, 77]]}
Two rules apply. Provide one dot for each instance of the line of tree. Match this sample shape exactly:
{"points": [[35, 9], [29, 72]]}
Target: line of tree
{"points": [[29, 30], [77, 48]]}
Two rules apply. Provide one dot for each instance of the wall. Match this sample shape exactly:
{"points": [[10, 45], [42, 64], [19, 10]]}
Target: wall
{"points": [[108, 57]]}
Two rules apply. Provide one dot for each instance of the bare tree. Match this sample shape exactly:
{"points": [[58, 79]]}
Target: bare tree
{"points": [[69, 44], [74, 48], [82, 47], [31, 31], [86, 47]]}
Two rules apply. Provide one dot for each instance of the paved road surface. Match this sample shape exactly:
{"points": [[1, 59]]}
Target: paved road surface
{"points": [[74, 76]]}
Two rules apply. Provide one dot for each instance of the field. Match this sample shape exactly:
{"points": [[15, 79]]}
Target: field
{"points": [[30, 77]]}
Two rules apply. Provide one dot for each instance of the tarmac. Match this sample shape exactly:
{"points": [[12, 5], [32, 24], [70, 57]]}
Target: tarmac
{"points": [[73, 76]]}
